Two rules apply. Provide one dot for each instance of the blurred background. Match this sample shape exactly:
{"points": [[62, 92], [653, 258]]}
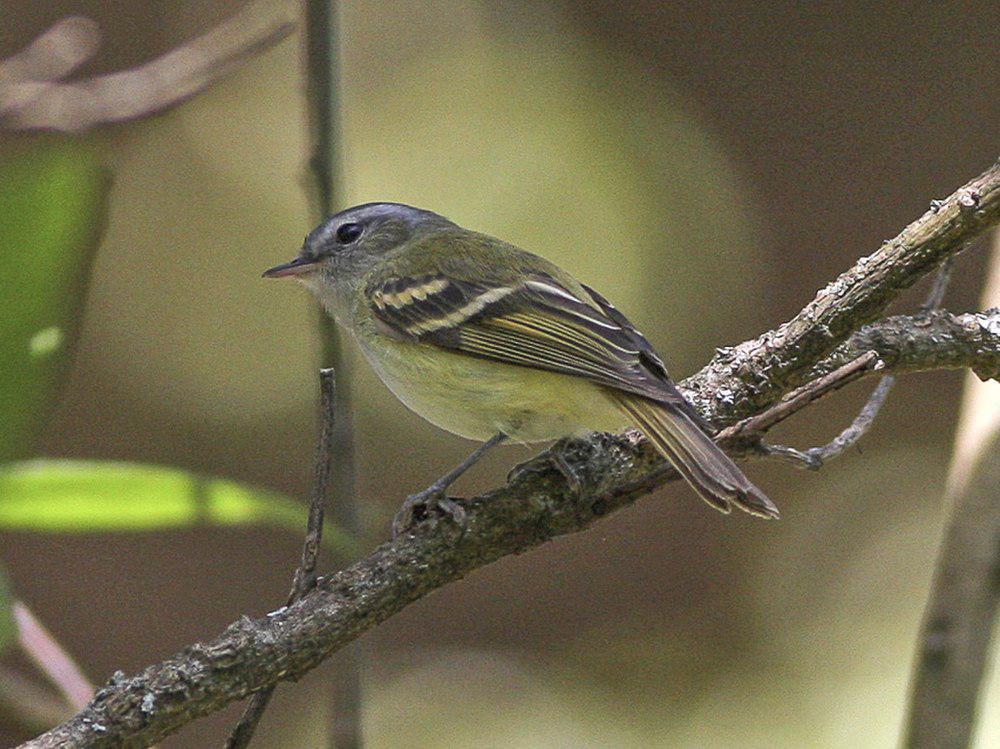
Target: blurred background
{"points": [[708, 166]]}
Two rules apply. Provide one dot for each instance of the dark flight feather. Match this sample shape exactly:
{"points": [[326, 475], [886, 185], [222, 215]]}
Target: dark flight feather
{"points": [[539, 323]]}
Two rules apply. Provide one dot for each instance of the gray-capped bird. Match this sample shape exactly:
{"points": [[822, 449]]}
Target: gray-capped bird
{"points": [[492, 343]]}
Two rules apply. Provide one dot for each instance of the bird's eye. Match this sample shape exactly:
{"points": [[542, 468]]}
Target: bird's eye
{"points": [[347, 233]]}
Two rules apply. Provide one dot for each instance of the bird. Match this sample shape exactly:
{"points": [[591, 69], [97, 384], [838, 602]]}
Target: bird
{"points": [[494, 344]]}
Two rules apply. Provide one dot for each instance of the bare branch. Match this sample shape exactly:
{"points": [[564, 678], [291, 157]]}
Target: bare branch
{"points": [[857, 428], [51, 658], [936, 295], [32, 97], [801, 397], [305, 575], [55, 54], [322, 77], [858, 296], [537, 504], [931, 340], [815, 457]]}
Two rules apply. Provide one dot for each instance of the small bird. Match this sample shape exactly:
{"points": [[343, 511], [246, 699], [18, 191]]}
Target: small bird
{"points": [[494, 343]]}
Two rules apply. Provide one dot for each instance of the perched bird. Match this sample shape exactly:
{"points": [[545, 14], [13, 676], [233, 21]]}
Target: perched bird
{"points": [[491, 343]]}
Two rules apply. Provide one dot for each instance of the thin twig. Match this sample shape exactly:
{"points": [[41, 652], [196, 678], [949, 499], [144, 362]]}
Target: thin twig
{"points": [[538, 504], [322, 86], [32, 96], [801, 397], [305, 575], [935, 297], [322, 71], [857, 428], [815, 457], [51, 658], [869, 412]]}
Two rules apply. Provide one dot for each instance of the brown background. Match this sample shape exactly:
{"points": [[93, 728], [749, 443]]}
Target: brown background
{"points": [[708, 166]]}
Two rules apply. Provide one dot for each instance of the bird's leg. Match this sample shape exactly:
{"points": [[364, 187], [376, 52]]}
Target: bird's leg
{"points": [[433, 496]]}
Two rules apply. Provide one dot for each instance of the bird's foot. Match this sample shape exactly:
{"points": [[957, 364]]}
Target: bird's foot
{"points": [[555, 458], [569, 473], [419, 506]]}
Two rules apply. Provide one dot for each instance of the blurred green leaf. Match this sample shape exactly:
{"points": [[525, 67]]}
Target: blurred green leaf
{"points": [[52, 205], [8, 629], [75, 496]]}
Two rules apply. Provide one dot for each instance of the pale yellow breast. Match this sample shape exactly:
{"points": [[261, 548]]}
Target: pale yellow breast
{"points": [[477, 398]]}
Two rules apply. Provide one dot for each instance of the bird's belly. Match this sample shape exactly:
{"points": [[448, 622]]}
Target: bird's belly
{"points": [[477, 398]]}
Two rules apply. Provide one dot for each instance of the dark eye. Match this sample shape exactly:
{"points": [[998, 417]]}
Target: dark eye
{"points": [[347, 233]]}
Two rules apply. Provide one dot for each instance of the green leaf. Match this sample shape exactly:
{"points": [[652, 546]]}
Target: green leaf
{"points": [[77, 496], [52, 205]]}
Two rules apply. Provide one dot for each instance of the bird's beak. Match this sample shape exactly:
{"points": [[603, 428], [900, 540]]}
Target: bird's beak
{"points": [[297, 267]]}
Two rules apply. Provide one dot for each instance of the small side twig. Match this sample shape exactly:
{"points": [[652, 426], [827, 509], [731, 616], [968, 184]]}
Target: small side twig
{"points": [[51, 658], [801, 397], [936, 295], [305, 575], [815, 457]]}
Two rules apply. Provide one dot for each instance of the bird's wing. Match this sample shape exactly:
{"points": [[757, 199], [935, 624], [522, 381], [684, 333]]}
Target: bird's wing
{"points": [[536, 322]]}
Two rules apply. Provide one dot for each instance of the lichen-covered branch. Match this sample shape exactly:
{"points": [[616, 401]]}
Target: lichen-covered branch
{"points": [[933, 340], [757, 372], [537, 505]]}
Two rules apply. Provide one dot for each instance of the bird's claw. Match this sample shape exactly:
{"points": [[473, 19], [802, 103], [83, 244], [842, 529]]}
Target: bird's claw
{"points": [[555, 459], [568, 472], [418, 506]]}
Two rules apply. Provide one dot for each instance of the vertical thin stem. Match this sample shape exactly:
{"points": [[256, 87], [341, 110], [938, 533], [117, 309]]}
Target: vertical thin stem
{"points": [[333, 468], [954, 642], [305, 574], [323, 87]]}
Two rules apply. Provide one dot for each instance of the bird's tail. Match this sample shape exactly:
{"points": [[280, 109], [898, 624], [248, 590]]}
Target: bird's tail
{"points": [[696, 457]]}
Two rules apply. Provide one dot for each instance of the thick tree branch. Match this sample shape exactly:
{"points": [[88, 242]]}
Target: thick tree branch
{"points": [[757, 372], [537, 505]]}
